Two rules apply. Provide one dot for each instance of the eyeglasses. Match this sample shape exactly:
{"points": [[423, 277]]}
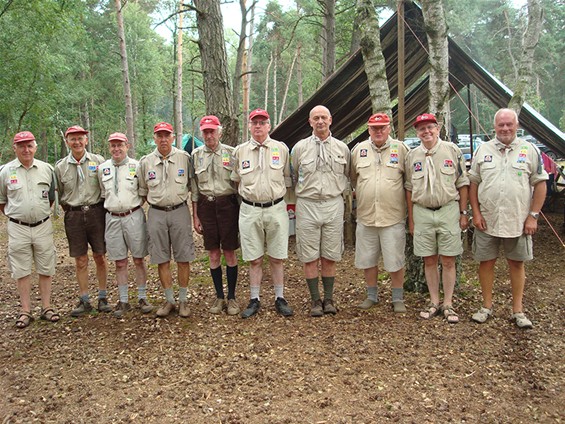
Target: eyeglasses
{"points": [[260, 123], [378, 129], [426, 128]]}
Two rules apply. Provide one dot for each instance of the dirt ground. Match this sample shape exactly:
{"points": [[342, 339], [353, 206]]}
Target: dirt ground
{"points": [[355, 367]]}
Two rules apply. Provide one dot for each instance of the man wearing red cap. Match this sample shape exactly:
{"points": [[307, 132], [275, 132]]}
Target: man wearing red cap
{"points": [[320, 169], [27, 191], [215, 210], [378, 176], [80, 198], [436, 193], [507, 193], [126, 228], [263, 173], [164, 180]]}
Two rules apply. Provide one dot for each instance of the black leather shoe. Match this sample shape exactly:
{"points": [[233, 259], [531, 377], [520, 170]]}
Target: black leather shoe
{"points": [[282, 307], [252, 308]]}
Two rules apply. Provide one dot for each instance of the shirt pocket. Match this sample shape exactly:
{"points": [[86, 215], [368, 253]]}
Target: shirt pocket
{"points": [[43, 187], [393, 172], [521, 170], [338, 165], [132, 183], [202, 176], [108, 182], [417, 181]]}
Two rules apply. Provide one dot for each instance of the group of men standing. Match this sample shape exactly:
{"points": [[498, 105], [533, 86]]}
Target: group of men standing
{"points": [[428, 186]]}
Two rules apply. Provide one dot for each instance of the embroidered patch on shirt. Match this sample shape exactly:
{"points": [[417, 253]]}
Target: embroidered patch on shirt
{"points": [[363, 153], [245, 164], [488, 158], [105, 171], [180, 172], [225, 159], [448, 163], [417, 166], [275, 156], [132, 169], [92, 166], [151, 175], [394, 158], [13, 177], [44, 194]]}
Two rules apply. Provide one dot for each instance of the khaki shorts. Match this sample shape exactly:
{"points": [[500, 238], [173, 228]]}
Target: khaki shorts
{"points": [[485, 247], [259, 225], [85, 228], [437, 232], [371, 242], [319, 229], [168, 229], [29, 245], [125, 233]]}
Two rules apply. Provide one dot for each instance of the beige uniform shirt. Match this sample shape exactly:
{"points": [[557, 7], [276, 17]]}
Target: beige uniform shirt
{"points": [[165, 181], [320, 168], [119, 185], [505, 177], [212, 172], [78, 187], [27, 192], [263, 172], [378, 177], [447, 175]]}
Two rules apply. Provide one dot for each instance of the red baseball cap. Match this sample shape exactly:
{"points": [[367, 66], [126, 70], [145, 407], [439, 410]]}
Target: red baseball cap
{"points": [[378, 120], [425, 117], [118, 136], [23, 136], [163, 126], [75, 129], [259, 112], [209, 122]]}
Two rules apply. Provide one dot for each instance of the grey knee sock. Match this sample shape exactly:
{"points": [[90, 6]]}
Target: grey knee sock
{"points": [[397, 294], [372, 294]]}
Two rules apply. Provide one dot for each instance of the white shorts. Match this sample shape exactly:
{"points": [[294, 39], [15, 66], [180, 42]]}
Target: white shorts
{"points": [[372, 242], [125, 233], [29, 245], [258, 226]]}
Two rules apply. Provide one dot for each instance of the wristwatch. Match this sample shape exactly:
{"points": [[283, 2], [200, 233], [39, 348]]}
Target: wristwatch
{"points": [[463, 212], [534, 215]]}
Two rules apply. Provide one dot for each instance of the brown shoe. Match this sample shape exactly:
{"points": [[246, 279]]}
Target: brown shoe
{"points": [[183, 309], [145, 306], [329, 307], [165, 309], [317, 309], [218, 307], [233, 307]]}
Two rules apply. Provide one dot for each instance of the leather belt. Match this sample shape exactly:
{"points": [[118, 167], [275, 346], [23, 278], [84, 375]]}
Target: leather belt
{"points": [[263, 205], [84, 208], [434, 209], [168, 208], [126, 213], [27, 224], [214, 198]]}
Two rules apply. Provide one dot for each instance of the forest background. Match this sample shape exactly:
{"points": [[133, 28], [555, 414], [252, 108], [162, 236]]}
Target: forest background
{"points": [[61, 62]]}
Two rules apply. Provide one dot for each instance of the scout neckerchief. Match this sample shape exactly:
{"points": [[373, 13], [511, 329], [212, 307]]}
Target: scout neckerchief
{"points": [[378, 150], [256, 144], [78, 164], [324, 157], [116, 165], [429, 170]]}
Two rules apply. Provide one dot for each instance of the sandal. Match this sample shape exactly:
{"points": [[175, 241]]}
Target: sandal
{"points": [[431, 311], [50, 315], [24, 320], [450, 315]]}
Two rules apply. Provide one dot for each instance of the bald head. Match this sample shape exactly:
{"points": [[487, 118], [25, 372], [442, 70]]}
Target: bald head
{"points": [[320, 121], [506, 125]]}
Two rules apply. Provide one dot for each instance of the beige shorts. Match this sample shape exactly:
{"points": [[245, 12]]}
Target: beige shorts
{"points": [[29, 245], [258, 226], [168, 229], [437, 232], [372, 242], [125, 233], [319, 229], [485, 247]]}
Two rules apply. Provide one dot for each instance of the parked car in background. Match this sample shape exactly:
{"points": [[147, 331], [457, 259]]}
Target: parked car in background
{"points": [[465, 146], [542, 147], [412, 142]]}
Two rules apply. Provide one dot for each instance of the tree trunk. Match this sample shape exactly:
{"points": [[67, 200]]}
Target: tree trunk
{"points": [[217, 90], [267, 76], [375, 66], [436, 32], [125, 75], [178, 97], [299, 79], [248, 74], [529, 43], [328, 37], [289, 78], [240, 69]]}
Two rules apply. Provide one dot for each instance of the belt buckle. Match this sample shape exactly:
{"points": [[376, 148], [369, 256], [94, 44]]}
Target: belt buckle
{"points": [[168, 208], [85, 208], [210, 198]]}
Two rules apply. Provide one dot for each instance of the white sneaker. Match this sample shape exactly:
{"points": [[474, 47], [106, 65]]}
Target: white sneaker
{"points": [[521, 321], [482, 315]]}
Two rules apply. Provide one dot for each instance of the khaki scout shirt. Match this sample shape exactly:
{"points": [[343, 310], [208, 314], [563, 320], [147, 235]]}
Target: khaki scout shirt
{"points": [[263, 172], [119, 185], [72, 190], [165, 181], [450, 174], [378, 177], [212, 172], [505, 177], [320, 168], [27, 193]]}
